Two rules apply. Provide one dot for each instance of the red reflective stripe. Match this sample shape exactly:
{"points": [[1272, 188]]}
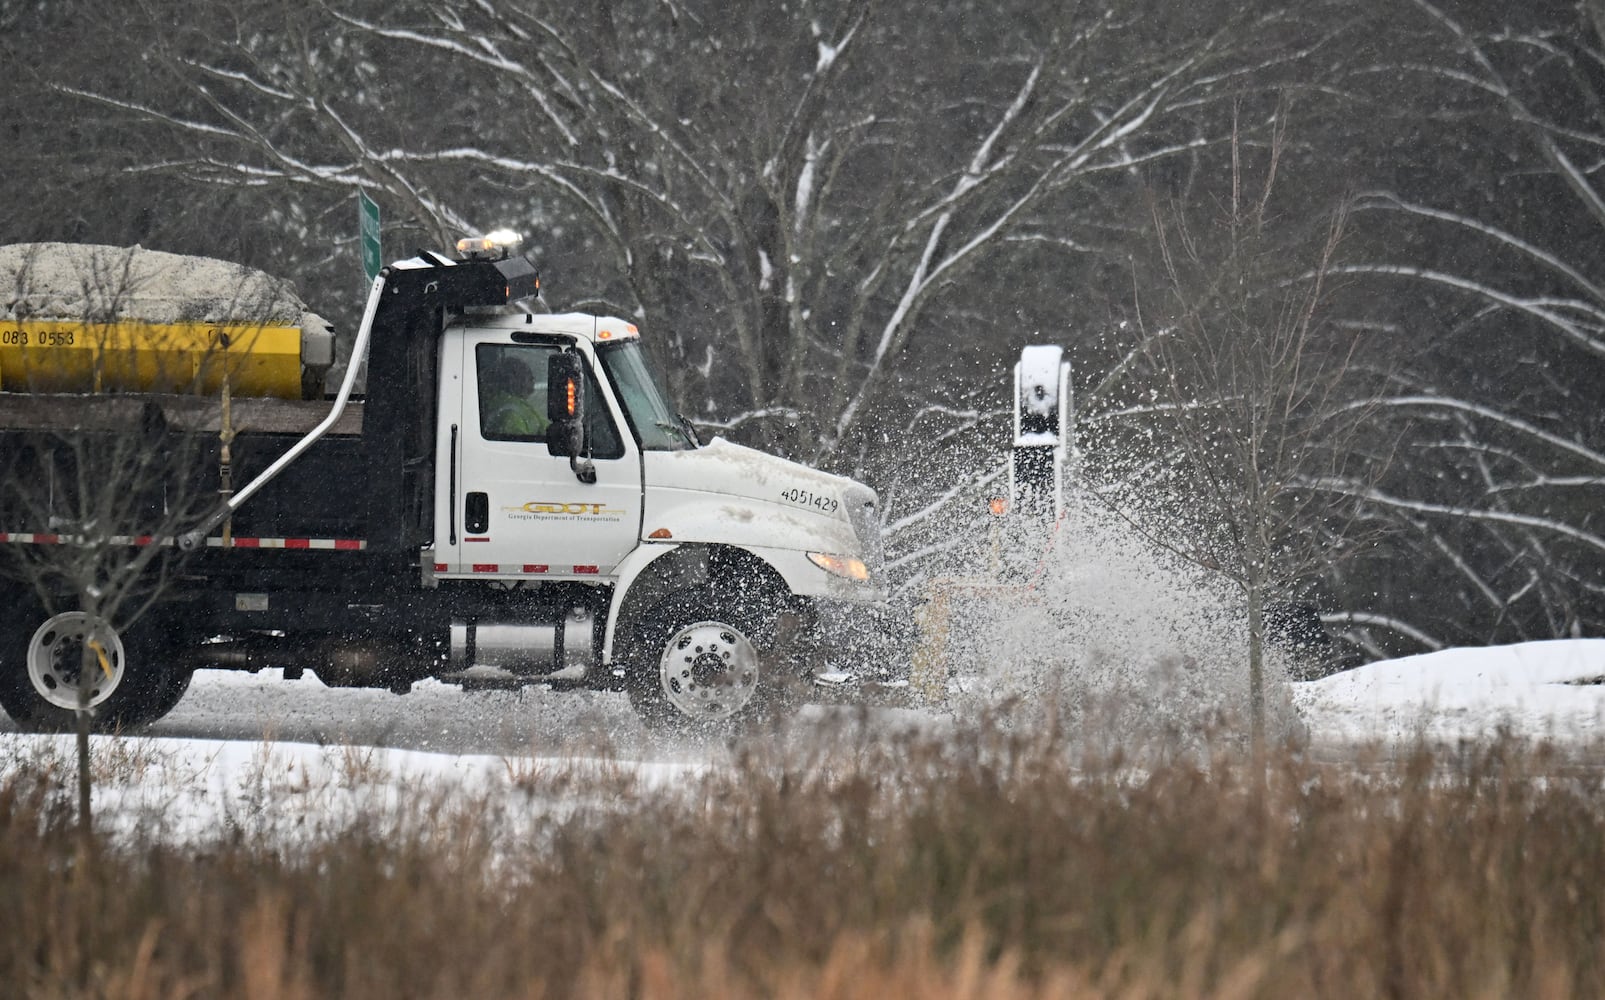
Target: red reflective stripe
{"points": [[485, 567], [237, 542], [535, 568], [586, 569], [440, 567], [485, 539]]}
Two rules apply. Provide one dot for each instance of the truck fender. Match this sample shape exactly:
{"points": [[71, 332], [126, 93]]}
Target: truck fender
{"points": [[629, 571], [651, 573]]}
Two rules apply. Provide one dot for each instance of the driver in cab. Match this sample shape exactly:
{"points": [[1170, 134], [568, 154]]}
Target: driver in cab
{"points": [[509, 411]]}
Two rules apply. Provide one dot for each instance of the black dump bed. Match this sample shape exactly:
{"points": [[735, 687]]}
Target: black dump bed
{"points": [[50, 444], [368, 480]]}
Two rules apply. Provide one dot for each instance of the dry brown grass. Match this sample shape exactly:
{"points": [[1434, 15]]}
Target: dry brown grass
{"points": [[973, 869]]}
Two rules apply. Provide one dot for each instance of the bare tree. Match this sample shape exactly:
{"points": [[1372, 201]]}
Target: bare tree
{"points": [[97, 484], [1493, 281], [795, 198], [100, 490], [100, 471], [1252, 398]]}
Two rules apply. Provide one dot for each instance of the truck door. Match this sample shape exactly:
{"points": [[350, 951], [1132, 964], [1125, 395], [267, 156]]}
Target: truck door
{"points": [[521, 512]]}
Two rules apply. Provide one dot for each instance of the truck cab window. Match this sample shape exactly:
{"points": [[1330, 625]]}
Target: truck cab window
{"points": [[512, 403], [646, 403], [512, 399]]}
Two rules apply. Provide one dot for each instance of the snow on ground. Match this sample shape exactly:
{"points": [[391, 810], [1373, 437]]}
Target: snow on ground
{"points": [[259, 755], [190, 790], [1538, 690]]}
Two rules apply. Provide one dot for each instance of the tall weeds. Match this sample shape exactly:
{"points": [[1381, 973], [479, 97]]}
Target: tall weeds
{"points": [[981, 867]]}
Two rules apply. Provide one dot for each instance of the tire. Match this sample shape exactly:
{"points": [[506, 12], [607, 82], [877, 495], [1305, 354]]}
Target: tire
{"points": [[170, 689], [700, 662], [40, 661]]}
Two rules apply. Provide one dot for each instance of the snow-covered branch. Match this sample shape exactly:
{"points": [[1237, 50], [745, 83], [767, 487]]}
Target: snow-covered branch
{"points": [[1372, 494], [1533, 307], [1371, 619], [1489, 413]]}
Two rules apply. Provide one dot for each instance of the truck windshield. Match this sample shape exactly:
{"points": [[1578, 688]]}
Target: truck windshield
{"points": [[645, 401]]}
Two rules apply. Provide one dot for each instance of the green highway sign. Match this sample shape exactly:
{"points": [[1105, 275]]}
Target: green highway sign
{"points": [[368, 228]]}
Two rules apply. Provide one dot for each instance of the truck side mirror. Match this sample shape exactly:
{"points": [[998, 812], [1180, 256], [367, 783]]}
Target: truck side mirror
{"points": [[565, 408]]}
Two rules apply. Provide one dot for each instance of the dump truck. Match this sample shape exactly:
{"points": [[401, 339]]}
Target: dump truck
{"points": [[512, 499]]}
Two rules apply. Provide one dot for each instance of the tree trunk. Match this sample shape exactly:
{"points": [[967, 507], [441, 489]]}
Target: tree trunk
{"points": [[1256, 668], [85, 817]]}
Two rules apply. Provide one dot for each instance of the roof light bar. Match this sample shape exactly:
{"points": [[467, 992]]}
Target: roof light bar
{"points": [[497, 243]]}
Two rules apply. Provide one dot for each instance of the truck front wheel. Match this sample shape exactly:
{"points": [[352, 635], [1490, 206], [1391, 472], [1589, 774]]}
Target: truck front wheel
{"points": [[697, 663], [43, 669]]}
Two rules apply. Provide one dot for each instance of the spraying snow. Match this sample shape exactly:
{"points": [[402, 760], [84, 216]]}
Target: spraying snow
{"points": [[1120, 641]]}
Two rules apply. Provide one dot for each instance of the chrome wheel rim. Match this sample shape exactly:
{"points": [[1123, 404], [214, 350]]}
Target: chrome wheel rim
{"points": [[56, 660], [709, 671]]}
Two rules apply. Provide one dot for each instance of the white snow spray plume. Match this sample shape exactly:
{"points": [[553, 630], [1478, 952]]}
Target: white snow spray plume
{"points": [[1093, 628]]}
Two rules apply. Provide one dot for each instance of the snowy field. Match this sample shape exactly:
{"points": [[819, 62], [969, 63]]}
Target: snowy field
{"points": [[267, 756], [1551, 690]]}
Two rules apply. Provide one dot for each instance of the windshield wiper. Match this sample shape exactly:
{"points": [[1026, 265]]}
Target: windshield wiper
{"points": [[690, 431], [677, 429]]}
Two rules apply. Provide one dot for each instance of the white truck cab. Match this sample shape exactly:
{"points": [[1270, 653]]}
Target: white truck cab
{"points": [[527, 502]]}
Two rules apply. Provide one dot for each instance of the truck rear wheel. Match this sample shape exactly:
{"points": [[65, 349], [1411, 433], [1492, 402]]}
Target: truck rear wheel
{"points": [[43, 660], [697, 663], [171, 686]]}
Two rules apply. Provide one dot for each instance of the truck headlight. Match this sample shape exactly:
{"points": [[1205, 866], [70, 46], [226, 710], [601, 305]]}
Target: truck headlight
{"points": [[842, 566]]}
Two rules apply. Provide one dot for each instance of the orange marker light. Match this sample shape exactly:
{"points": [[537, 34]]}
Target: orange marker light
{"points": [[572, 393], [998, 506], [661, 533], [844, 566]]}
